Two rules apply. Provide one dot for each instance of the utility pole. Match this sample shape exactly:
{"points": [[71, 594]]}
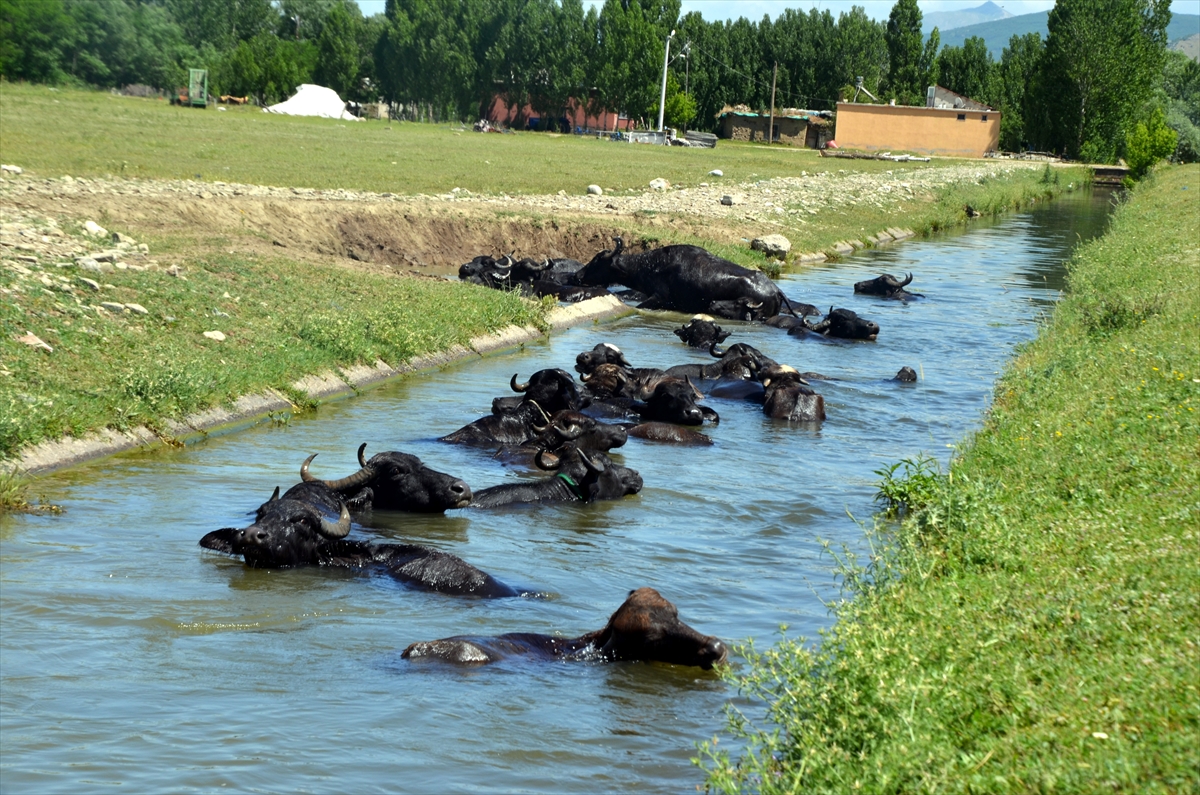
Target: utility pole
{"points": [[662, 102], [771, 125]]}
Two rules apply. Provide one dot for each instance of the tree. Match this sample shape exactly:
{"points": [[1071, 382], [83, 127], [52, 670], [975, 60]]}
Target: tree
{"points": [[337, 51], [680, 108], [1017, 68], [861, 50], [33, 36], [1149, 142], [1102, 60], [904, 52], [967, 70]]}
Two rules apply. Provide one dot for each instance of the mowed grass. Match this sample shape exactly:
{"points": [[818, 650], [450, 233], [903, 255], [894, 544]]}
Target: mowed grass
{"points": [[86, 133], [1031, 624], [282, 321]]}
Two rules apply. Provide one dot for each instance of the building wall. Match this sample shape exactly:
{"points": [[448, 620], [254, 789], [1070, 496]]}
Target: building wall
{"points": [[788, 129], [929, 131], [576, 114]]}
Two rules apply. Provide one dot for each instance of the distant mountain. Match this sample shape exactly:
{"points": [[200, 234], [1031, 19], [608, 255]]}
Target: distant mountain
{"points": [[945, 20], [998, 32], [1189, 46]]}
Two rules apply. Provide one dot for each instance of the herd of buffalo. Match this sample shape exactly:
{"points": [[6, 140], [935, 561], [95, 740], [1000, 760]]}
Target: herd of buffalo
{"points": [[566, 428]]}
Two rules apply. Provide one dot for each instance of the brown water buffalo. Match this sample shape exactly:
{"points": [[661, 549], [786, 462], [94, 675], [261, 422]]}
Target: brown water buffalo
{"points": [[646, 628], [395, 481], [887, 286], [298, 529]]}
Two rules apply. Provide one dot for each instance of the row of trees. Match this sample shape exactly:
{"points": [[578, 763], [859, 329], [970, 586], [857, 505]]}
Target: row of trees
{"points": [[1080, 91]]}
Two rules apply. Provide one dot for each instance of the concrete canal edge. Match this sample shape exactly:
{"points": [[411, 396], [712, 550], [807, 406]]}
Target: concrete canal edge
{"points": [[250, 410]]}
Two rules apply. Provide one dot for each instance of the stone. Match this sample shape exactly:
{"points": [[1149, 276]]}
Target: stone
{"points": [[119, 238], [595, 190], [33, 341], [94, 229], [105, 256], [113, 306], [842, 247], [731, 199], [92, 284], [772, 245], [812, 256], [659, 184], [716, 172], [142, 247], [137, 309], [11, 169], [215, 335]]}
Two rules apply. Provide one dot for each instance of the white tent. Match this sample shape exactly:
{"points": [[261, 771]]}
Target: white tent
{"points": [[310, 100]]}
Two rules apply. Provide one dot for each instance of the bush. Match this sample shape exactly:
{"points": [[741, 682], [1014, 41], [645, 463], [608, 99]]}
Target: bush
{"points": [[1150, 142]]}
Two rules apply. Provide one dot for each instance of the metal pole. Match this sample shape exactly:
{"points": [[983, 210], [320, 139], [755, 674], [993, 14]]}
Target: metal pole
{"points": [[662, 101], [771, 126]]}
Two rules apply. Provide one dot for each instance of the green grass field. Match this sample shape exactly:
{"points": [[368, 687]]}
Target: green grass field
{"points": [[1031, 625]]}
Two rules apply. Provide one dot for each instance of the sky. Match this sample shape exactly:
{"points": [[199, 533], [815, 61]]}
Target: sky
{"points": [[755, 9]]}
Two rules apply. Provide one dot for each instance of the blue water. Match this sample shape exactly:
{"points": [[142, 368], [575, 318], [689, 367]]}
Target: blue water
{"points": [[133, 660]]}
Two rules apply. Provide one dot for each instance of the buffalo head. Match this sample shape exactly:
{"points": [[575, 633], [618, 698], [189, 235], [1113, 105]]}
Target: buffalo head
{"points": [[398, 482]]}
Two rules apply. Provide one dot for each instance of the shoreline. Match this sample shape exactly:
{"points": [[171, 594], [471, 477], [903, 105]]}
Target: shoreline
{"points": [[248, 411]]}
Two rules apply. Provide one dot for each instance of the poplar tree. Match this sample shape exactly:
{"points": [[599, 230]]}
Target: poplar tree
{"points": [[904, 52]]}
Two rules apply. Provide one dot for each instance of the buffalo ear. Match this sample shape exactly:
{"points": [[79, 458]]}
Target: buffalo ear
{"points": [[220, 540]]}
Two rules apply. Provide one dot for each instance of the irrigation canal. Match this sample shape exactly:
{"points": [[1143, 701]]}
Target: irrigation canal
{"points": [[132, 660]]}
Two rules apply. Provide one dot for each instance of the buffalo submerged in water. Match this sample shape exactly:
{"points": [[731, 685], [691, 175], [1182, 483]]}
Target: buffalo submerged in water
{"points": [[646, 628], [299, 529]]}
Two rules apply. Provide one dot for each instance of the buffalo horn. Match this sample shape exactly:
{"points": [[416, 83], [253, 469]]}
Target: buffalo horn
{"points": [[337, 529], [754, 306], [517, 387], [907, 281], [699, 394], [592, 466], [585, 377], [715, 351], [274, 495], [570, 432], [357, 479], [545, 417], [542, 464], [362, 462]]}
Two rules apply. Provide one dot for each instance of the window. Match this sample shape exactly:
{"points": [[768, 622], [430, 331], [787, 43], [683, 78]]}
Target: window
{"points": [[962, 117], [983, 117]]}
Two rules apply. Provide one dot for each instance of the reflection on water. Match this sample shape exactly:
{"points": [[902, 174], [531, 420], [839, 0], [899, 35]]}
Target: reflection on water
{"points": [[133, 658]]}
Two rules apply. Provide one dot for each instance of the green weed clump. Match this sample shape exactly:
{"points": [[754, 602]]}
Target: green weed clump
{"points": [[1030, 625]]}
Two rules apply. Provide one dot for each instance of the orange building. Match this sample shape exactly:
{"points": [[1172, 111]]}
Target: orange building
{"points": [[949, 131]]}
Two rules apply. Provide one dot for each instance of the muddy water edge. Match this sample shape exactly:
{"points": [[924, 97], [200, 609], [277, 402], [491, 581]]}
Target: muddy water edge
{"points": [[132, 659]]}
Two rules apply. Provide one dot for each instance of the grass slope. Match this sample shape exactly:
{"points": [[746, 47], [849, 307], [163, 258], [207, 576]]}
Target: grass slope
{"points": [[1031, 624]]}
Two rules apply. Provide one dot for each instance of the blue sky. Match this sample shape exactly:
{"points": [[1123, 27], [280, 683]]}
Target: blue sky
{"points": [[755, 9]]}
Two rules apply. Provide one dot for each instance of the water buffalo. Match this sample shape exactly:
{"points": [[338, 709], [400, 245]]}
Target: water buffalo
{"points": [[395, 482], [569, 428], [887, 286], [731, 368], [602, 353], [906, 375], [674, 400], [552, 389], [701, 332], [504, 426], [646, 628], [667, 432], [297, 530], [787, 396], [581, 477], [686, 279], [845, 324], [760, 359]]}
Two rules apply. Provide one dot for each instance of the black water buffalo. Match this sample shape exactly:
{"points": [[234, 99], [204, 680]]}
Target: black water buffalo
{"points": [[729, 368], [686, 279], [906, 375], [581, 477], [760, 359], [602, 353], [646, 628], [887, 286], [504, 426], [845, 324], [674, 400], [297, 530], [552, 389], [787, 396], [395, 482], [570, 428], [701, 332]]}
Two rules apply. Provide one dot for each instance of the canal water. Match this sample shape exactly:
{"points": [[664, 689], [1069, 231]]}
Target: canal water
{"points": [[132, 660]]}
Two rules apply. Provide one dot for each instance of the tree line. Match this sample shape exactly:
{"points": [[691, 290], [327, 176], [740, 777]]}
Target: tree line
{"points": [[1102, 69]]}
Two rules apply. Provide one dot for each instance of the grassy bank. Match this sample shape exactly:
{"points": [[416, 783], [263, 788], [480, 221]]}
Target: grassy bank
{"points": [[1031, 624], [281, 321]]}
